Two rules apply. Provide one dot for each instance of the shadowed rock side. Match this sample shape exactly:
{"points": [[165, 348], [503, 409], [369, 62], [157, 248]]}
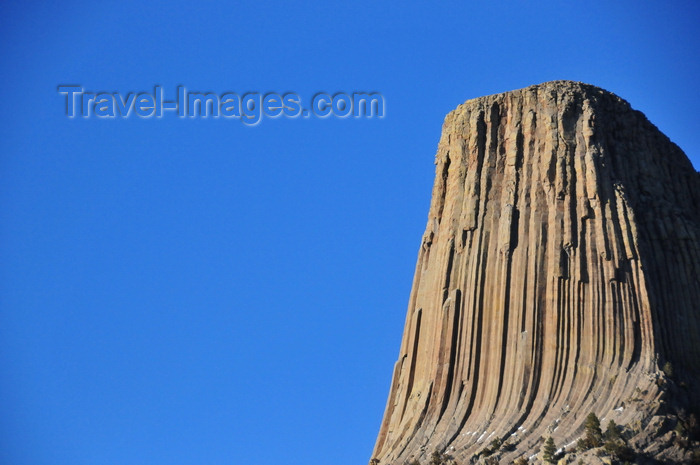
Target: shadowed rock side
{"points": [[557, 274]]}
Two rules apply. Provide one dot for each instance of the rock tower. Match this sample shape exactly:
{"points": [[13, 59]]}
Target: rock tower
{"points": [[559, 275]]}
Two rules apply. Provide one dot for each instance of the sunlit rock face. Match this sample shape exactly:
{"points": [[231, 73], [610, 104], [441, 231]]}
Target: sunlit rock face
{"points": [[559, 272]]}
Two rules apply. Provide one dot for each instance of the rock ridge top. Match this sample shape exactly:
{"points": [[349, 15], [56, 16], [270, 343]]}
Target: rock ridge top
{"points": [[559, 274]]}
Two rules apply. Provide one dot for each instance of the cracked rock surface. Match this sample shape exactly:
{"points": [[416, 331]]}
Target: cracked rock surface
{"points": [[558, 273]]}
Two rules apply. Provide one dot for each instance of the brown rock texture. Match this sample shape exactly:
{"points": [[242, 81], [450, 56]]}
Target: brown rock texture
{"points": [[559, 272]]}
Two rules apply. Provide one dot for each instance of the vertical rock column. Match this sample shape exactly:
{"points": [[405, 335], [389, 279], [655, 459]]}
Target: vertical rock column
{"points": [[559, 269]]}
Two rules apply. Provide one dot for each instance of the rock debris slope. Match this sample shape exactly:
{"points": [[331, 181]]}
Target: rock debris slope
{"points": [[559, 272]]}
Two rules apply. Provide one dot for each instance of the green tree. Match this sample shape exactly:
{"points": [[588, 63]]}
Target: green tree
{"points": [[437, 458], [668, 369], [612, 432], [615, 444], [593, 436], [549, 450]]}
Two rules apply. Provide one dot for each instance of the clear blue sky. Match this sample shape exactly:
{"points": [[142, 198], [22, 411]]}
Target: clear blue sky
{"points": [[199, 292]]}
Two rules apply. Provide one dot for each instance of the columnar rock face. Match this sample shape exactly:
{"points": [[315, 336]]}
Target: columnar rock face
{"points": [[559, 272]]}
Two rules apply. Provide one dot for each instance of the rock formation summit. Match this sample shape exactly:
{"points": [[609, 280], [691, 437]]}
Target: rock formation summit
{"points": [[559, 275]]}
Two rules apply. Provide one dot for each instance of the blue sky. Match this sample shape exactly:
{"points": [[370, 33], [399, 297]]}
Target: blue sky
{"points": [[199, 292]]}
